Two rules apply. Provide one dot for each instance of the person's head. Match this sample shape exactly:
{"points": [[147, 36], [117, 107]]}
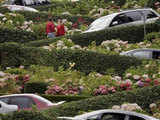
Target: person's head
{"points": [[59, 21], [49, 19]]}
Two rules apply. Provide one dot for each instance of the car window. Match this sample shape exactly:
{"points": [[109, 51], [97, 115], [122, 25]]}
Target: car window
{"points": [[95, 117], [133, 16], [135, 118], [156, 55], [142, 54], [149, 14], [112, 116], [5, 100], [22, 102], [121, 19]]}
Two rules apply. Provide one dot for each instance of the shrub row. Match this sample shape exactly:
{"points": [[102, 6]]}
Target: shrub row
{"points": [[43, 17], [12, 54], [14, 35], [142, 96], [26, 115], [132, 34]]}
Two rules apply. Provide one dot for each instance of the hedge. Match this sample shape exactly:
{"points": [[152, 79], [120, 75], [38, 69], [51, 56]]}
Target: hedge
{"points": [[43, 17], [43, 42], [142, 96], [67, 98], [15, 35], [26, 115], [132, 34], [12, 54]]}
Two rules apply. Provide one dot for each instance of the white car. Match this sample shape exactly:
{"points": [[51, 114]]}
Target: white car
{"points": [[143, 53], [5, 108], [128, 17], [19, 8], [109, 114]]}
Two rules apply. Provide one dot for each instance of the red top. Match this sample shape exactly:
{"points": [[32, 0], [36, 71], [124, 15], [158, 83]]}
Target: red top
{"points": [[50, 27], [60, 30]]}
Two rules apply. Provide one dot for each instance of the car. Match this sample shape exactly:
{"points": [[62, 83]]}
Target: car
{"points": [[27, 2], [123, 18], [5, 108], [110, 114], [19, 8], [26, 101], [143, 53]]}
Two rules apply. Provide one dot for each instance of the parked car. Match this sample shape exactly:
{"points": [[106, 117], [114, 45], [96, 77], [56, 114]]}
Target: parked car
{"points": [[5, 108], [144, 53], [27, 2], [19, 8], [109, 114], [127, 17], [25, 101]]}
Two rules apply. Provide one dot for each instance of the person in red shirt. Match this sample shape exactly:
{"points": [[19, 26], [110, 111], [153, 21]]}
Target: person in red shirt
{"points": [[50, 29], [60, 28]]}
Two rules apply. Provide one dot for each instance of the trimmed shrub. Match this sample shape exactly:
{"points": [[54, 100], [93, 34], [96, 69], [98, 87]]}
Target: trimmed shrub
{"points": [[4, 10], [14, 35], [26, 115], [143, 97], [43, 17], [39, 43], [35, 87], [12, 54], [67, 98], [132, 34]]}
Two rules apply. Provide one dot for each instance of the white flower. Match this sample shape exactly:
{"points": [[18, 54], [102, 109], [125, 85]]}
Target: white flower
{"points": [[128, 75], [153, 105], [4, 19], [145, 76], [136, 77], [2, 74], [116, 107]]}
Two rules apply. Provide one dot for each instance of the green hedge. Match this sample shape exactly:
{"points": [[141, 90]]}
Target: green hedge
{"points": [[35, 87], [132, 34], [26, 115], [142, 96], [4, 10], [67, 98], [14, 35], [39, 43], [43, 17], [12, 54]]}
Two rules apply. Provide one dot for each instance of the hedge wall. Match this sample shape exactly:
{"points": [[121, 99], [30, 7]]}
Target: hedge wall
{"points": [[14, 35], [67, 98], [26, 115], [142, 96], [132, 34], [12, 54], [43, 17]]}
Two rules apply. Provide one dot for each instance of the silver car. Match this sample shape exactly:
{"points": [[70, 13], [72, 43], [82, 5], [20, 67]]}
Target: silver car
{"points": [[144, 53], [109, 114], [5, 108], [128, 17]]}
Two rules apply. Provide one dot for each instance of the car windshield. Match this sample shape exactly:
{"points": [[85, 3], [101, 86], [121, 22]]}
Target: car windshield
{"points": [[101, 23]]}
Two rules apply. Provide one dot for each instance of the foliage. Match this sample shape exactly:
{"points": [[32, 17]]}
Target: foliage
{"points": [[143, 97]]}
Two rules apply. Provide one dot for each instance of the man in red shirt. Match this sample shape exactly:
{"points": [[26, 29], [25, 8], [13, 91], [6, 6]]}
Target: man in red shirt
{"points": [[50, 29], [60, 28]]}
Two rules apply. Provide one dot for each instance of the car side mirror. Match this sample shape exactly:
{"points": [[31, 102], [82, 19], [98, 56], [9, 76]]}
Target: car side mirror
{"points": [[115, 23], [0, 105]]}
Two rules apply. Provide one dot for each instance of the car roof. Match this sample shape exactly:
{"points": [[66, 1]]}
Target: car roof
{"points": [[143, 49], [17, 95], [83, 116]]}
